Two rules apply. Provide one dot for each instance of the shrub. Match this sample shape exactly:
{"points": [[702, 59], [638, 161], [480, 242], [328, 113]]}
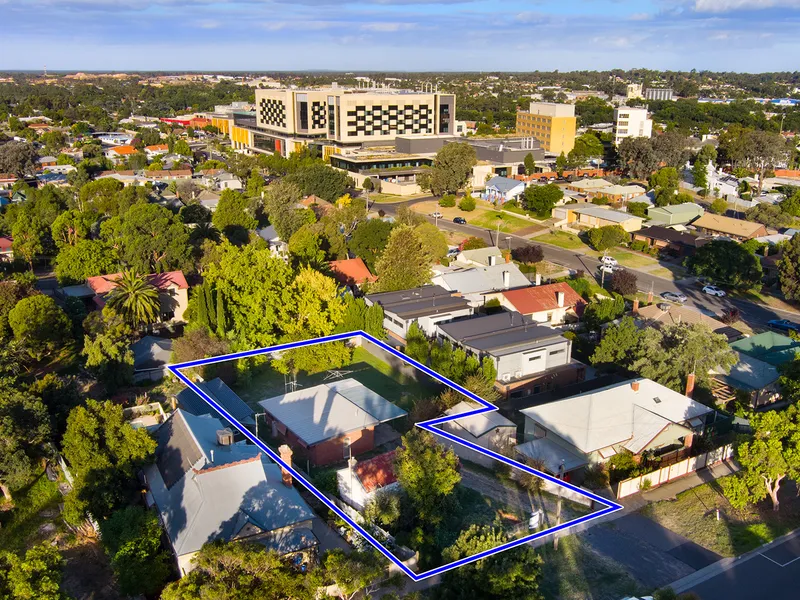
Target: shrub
{"points": [[528, 254], [492, 306], [645, 484], [467, 204], [638, 209], [640, 246], [607, 237], [624, 282], [473, 243], [326, 481], [383, 509], [596, 476], [447, 201]]}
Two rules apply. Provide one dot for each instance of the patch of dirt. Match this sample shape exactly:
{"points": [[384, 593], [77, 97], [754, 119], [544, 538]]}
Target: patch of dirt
{"points": [[88, 574]]}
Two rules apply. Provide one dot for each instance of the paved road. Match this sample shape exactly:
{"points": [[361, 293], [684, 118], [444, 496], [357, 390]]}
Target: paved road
{"points": [[753, 314], [771, 574]]}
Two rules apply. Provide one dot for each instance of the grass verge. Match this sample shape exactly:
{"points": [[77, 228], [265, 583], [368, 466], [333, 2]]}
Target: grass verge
{"points": [[562, 239]]}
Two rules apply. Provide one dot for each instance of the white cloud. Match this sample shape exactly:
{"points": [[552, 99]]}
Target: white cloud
{"points": [[723, 6], [387, 27]]}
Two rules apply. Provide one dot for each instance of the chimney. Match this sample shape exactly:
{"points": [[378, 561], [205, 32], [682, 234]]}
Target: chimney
{"points": [[492, 260], [560, 297], [635, 385], [538, 279], [224, 437], [650, 297], [690, 385], [506, 279], [286, 456], [508, 257], [636, 306]]}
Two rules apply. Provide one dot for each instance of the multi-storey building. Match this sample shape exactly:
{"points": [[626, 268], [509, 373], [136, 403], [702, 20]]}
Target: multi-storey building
{"points": [[659, 94], [634, 91], [631, 122], [552, 124]]}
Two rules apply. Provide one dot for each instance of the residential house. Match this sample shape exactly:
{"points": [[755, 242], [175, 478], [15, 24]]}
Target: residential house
{"points": [[489, 430], [529, 358], [318, 205], [351, 273], [770, 347], [119, 154], [426, 306], [155, 150], [361, 481], [173, 292], [208, 200], [278, 247], [47, 161], [735, 229], [328, 423], [151, 355], [216, 389], [639, 416], [481, 284], [207, 488], [586, 186], [7, 181], [665, 238], [617, 193], [593, 216], [675, 214], [502, 189], [553, 303], [228, 181], [757, 380], [6, 248], [481, 257], [663, 313]]}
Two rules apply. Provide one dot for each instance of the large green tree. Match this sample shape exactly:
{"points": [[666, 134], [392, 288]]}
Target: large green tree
{"points": [[451, 169], [28, 232], [638, 157], [664, 183], [70, 227], [87, 258], [728, 263], [107, 349], [770, 215], [369, 240], [540, 199], [135, 299], [18, 158], [233, 218], [40, 325], [789, 269], [405, 262], [607, 237], [34, 576]]}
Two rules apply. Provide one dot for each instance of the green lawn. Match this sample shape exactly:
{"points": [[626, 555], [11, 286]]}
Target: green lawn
{"points": [[20, 524], [633, 260], [673, 272], [490, 218], [693, 515], [562, 239], [379, 198], [576, 572]]}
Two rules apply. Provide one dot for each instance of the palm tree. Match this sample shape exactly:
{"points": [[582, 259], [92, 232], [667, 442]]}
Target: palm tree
{"points": [[135, 299]]}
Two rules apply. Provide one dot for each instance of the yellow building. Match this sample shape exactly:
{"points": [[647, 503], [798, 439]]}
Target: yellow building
{"points": [[552, 124]]}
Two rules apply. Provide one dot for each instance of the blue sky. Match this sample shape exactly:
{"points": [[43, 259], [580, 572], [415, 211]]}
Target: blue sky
{"points": [[420, 35]]}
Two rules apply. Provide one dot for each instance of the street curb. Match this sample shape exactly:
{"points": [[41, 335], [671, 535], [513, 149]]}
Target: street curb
{"points": [[706, 573]]}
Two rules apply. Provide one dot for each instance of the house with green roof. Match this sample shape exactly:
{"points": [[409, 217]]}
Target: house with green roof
{"points": [[676, 214], [770, 347]]}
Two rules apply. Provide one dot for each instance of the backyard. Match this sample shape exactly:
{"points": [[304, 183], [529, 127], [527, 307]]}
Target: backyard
{"points": [[693, 515]]}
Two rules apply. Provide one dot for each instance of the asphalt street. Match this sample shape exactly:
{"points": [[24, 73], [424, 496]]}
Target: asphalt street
{"points": [[752, 313]]}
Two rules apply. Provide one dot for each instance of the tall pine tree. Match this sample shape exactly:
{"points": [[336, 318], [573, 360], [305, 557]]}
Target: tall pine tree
{"points": [[212, 316], [202, 307], [221, 322]]}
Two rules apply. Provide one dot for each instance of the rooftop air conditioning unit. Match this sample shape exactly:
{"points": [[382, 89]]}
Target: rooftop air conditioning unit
{"points": [[224, 437], [506, 377]]}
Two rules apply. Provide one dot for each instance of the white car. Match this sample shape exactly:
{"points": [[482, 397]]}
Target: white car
{"points": [[436, 215], [713, 290], [609, 260], [609, 268]]}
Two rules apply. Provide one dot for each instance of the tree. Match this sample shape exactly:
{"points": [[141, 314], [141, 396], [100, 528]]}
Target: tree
{"points": [[104, 452], [561, 164], [24, 430], [354, 573], [587, 146], [75, 264], [637, 209], [467, 203], [770, 215], [789, 269], [107, 348], [281, 202], [473, 243], [638, 157], [665, 185], [37, 575], [609, 236], [232, 217], [513, 574], [618, 343], [241, 571], [603, 311], [99, 195], [405, 262], [305, 247], [70, 227], [728, 263], [451, 168], [369, 240], [769, 457], [40, 325], [791, 204], [321, 180], [368, 186], [11, 292], [528, 254], [434, 242], [27, 233], [197, 343], [18, 158], [540, 199], [132, 538], [624, 282], [428, 473], [135, 299], [671, 148], [719, 206], [530, 164], [700, 175], [763, 151], [182, 147]]}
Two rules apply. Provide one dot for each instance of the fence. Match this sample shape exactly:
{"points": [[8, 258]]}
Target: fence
{"points": [[679, 469]]}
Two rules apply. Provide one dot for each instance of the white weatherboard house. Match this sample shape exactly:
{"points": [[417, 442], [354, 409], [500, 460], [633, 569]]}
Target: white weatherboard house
{"points": [[637, 415], [489, 430], [502, 189], [480, 284]]}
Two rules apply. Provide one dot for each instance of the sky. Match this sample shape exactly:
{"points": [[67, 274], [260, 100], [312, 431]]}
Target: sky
{"points": [[398, 35]]}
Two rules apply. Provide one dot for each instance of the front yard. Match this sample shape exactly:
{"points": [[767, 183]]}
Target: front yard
{"points": [[562, 239], [693, 515]]}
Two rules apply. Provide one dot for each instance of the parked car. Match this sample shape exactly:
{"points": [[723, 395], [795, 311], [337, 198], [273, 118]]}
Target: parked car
{"points": [[460, 220], [609, 268], [784, 325], [674, 297], [436, 215], [453, 252], [713, 290], [609, 260]]}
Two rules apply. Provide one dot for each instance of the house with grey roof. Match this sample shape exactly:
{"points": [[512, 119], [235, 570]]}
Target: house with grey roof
{"points": [[481, 257], [207, 488], [637, 416], [278, 247], [151, 355], [217, 390], [489, 430], [503, 189], [480, 284], [530, 358], [426, 306], [328, 423], [755, 378]]}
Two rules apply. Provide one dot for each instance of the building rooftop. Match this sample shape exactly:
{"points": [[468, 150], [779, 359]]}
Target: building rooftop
{"points": [[591, 184], [668, 235], [351, 271], [102, 284], [377, 472], [543, 298], [675, 314], [770, 347], [503, 184], [418, 302], [327, 411], [727, 225], [604, 213], [189, 400], [482, 255], [749, 374], [499, 334], [483, 279], [478, 425], [151, 352]]}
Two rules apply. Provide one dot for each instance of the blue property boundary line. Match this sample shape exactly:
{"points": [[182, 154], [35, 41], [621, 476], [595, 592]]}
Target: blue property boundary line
{"points": [[429, 425]]}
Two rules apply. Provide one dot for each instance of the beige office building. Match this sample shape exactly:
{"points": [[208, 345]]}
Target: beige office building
{"points": [[552, 124]]}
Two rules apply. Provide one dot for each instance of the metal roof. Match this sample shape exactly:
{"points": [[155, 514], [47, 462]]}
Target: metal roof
{"points": [[327, 411], [151, 352], [499, 334], [770, 347], [552, 454], [418, 302], [605, 213], [484, 279], [504, 184], [479, 425], [189, 400]]}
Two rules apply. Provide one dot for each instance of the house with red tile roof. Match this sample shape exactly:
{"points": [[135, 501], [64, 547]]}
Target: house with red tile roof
{"points": [[553, 303], [173, 291], [6, 251], [362, 481], [155, 150], [351, 272], [120, 153]]}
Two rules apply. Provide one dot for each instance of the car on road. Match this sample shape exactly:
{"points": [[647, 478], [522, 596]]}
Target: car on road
{"points": [[713, 290], [460, 220], [436, 215], [784, 325], [609, 268], [674, 297], [609, 260]]}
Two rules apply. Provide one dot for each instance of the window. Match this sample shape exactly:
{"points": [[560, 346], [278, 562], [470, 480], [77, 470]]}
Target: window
{"points": [[554, 352], [533, 358]]}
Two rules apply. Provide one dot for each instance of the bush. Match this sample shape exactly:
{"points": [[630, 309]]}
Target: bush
{"points": [[473, 243], [447, 201], [467, 204], [645, 485], [607, 237], [528, 254], [640, 246], [596, 476], [638, 209], [326, 481], [624, 282]]}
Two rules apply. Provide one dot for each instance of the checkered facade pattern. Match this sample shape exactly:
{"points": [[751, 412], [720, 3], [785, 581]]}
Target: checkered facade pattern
{"points": [[393, 119], [318, 115], [272, 112]]}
